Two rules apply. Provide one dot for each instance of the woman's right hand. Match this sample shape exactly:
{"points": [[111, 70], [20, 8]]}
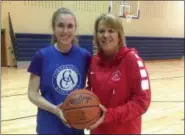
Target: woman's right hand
{"points": [[59, 113], [100, 121]]}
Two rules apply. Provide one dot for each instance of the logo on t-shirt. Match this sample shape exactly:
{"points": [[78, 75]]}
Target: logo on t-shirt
{"points": [[65, 79]]}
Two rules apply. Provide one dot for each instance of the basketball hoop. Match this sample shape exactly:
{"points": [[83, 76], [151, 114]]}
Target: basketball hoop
{"points": [[127, 17], [125, 14]]}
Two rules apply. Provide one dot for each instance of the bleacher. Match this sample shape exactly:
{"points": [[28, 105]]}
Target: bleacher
{"points": [[28, 44], [149, 48]]}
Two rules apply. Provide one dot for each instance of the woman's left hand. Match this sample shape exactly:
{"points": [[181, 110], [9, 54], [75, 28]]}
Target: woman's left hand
{"points": [[100, 121]]}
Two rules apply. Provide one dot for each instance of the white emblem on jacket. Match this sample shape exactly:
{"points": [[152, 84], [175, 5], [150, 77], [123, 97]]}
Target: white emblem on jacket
{"points": [[116, 76]]}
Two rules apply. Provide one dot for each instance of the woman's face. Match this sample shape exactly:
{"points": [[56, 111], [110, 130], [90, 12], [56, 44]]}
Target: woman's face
{"points": [[64, 29], [108, 39]]}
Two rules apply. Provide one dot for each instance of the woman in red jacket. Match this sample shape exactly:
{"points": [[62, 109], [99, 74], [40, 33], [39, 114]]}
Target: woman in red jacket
{"points": [[118, 76]]}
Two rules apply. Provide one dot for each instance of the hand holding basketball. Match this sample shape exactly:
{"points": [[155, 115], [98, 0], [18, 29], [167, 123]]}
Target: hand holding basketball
{"points": [[100, 121], [81, 108], [60, 114]]}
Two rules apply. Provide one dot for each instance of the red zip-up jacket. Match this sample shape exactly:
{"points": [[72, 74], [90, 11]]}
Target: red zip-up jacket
{"points": [[123, 87]]}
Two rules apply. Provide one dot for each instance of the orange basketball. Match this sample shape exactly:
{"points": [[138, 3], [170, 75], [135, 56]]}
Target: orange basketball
{"points": [[81, 109]]}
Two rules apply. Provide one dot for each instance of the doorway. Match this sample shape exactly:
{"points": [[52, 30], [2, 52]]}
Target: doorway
{"points": [[3, 49]]}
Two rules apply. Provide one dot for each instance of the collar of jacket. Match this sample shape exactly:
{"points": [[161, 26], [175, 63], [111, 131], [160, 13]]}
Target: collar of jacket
{"points": [[115, 61]]}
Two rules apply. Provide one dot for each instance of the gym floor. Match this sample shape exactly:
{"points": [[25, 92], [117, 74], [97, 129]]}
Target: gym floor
{"points": [[165, 115]]}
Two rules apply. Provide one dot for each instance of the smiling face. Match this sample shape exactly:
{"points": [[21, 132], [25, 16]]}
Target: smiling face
{"points": [[109, 34], [64, 29], [108, 38]]}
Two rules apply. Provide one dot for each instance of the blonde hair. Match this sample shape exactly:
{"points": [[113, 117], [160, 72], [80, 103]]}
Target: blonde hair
{"points": [[54, 19], [111, 21]]}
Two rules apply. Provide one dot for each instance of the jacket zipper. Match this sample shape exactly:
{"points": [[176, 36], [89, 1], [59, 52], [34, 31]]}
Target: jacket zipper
{"points": [[113, 92]]}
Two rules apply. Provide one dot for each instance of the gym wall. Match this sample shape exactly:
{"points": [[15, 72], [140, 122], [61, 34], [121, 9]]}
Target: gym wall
{"points": [[157, 18]]}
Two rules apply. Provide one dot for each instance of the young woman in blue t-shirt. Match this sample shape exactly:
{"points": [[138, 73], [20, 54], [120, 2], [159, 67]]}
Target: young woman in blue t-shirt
{"points": [[56, 71]]}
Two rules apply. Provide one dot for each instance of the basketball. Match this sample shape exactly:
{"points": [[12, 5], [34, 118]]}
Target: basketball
{"points": [[81, 108]]}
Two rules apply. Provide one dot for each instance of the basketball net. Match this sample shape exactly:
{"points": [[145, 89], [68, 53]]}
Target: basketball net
{"points": [[127, 17]]}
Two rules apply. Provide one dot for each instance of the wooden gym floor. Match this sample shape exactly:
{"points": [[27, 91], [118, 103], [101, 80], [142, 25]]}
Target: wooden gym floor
{"points": [[165, 115]]}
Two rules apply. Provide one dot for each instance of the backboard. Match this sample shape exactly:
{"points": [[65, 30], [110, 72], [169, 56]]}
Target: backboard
{"points": [[125, 9]]}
